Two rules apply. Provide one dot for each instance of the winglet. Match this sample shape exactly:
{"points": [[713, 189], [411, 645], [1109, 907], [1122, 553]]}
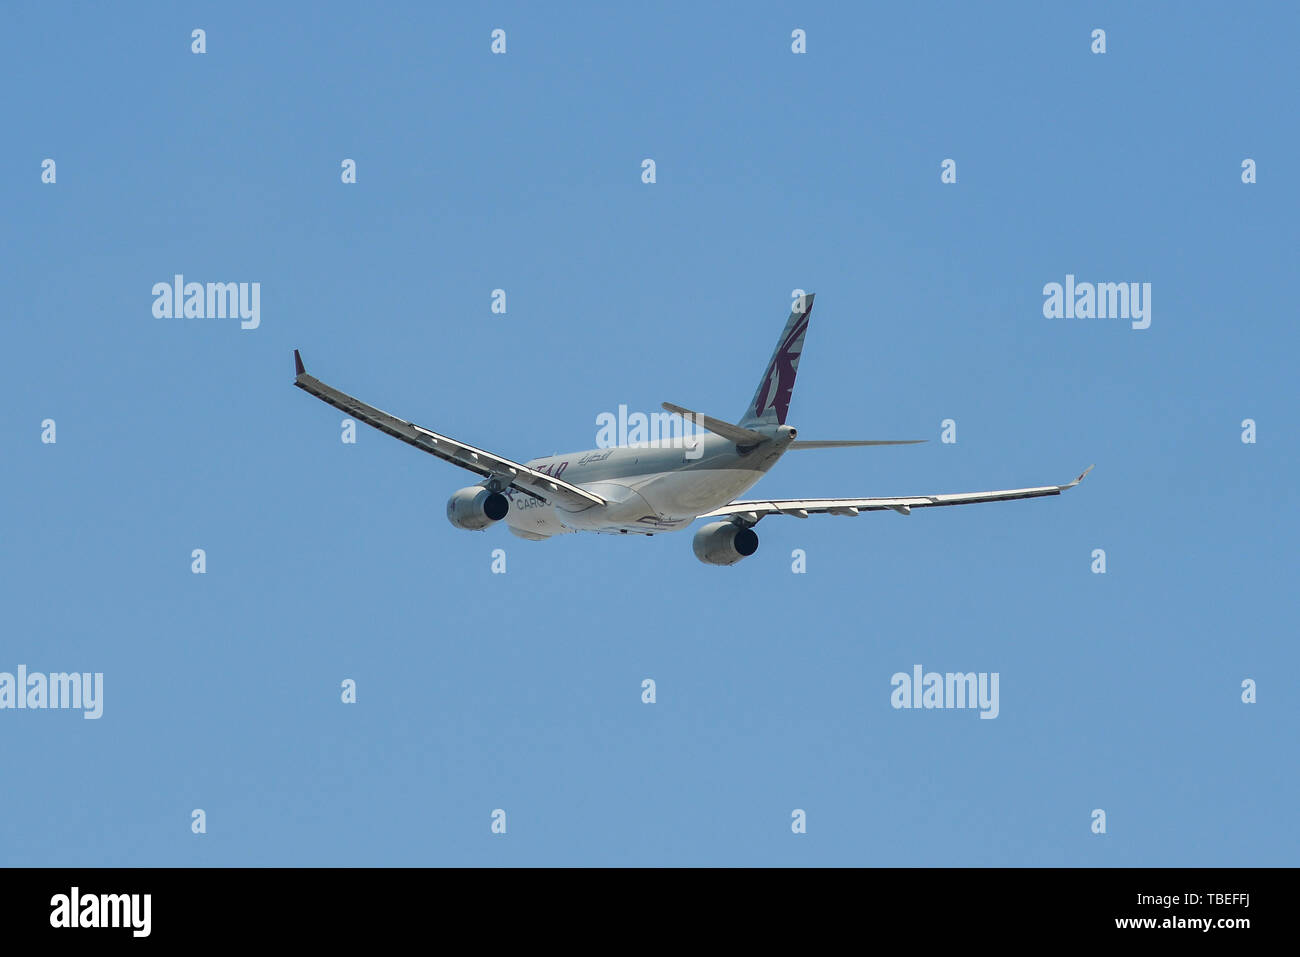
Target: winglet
{"points": [[1080, 478], [297, 363]]}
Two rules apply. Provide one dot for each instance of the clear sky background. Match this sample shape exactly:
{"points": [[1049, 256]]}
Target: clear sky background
{"points": [[522, 691]]}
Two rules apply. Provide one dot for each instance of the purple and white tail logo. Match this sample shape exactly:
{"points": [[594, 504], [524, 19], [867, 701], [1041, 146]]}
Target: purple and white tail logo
{"points": [[778, 383]]}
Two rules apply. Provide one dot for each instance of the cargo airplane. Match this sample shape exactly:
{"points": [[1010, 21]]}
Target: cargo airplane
{"points": [[637, 490]]}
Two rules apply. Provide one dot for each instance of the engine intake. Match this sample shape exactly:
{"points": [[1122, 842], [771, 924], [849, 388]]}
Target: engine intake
{"points": [[475, 508], [724, 543]]}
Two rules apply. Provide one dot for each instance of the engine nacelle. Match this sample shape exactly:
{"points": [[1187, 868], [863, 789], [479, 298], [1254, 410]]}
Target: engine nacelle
{"points": [[475, 508], [724, 543]]}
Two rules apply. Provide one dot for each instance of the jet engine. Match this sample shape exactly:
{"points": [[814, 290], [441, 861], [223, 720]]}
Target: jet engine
{"points": [[475, 508], [724, 543]]}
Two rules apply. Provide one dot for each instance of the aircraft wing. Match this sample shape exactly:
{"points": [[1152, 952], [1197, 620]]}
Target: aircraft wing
{"points": [[531, 482], [750, 512]]}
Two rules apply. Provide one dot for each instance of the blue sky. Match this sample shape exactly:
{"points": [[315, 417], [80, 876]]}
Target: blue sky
{"points": [[522, 691]]}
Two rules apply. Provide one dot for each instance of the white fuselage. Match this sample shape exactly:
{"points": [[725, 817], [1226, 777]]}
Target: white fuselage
{"points": [[647, 490]]}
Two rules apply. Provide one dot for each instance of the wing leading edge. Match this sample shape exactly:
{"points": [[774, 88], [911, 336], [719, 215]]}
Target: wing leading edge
{"points": [[531, 482], [751, 512]]}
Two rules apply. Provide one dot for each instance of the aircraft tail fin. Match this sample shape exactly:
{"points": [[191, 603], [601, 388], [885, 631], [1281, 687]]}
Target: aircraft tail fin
{"points": [[772, 400]]}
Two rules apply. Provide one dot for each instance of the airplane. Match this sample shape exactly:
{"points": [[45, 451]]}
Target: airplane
{"points": [[640, 490]]}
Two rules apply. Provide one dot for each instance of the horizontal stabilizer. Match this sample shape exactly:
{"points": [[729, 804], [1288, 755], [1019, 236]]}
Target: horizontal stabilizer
{"points": [[845, 443], [736, 433]]}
